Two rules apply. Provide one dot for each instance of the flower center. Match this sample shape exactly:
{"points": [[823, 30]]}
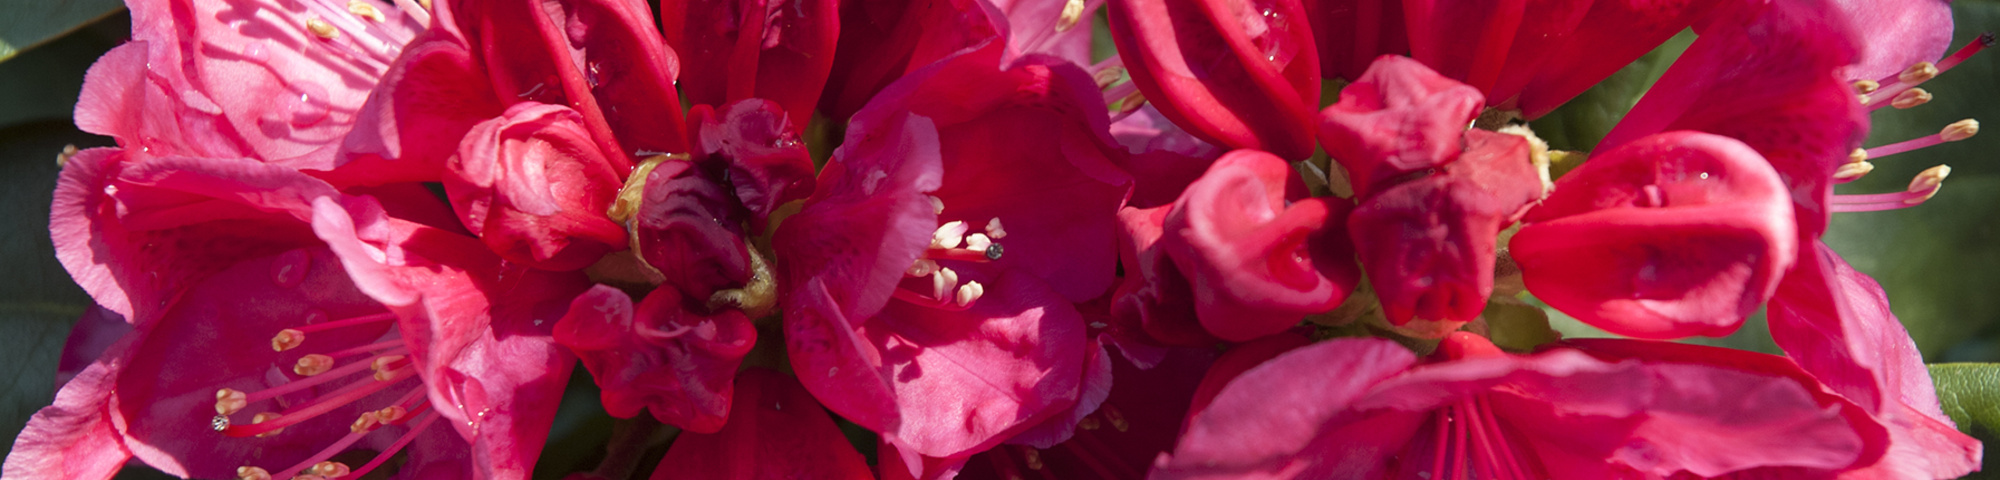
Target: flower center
{"points": [[1901, 91], [950, 242]]}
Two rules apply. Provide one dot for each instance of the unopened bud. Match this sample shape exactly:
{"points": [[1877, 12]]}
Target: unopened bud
{"points": [[1959, 130]]}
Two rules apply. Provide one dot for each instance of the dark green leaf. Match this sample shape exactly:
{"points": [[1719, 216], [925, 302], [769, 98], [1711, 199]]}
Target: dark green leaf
{"points": [[29, 23], [1582, 121]]}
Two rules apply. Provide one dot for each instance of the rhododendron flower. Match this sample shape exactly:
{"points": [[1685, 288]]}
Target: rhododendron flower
{"points": [[258, 230], [533, 185], [943, 251], [1590, 409], [1237, 74], [734, 49]]}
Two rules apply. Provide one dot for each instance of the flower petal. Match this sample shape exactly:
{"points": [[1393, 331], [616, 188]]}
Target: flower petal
{"points": [[777, 431], [1241, 75]]}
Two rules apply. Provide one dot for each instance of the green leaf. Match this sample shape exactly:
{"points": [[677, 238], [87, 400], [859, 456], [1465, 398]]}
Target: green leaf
{"points": [[1581, 122], [30, 23], [1970, 393], [38, 302]]}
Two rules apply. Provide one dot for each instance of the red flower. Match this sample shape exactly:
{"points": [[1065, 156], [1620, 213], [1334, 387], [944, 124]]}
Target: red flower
{"points": [[1237, 74]]}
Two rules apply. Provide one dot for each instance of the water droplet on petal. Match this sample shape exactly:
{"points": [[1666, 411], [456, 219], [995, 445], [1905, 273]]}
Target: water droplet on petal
{"points": [[311, 106], [290, 268]]}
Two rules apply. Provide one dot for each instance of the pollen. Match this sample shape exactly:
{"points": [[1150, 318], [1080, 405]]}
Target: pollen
{"points": [[366, 423], [949, 235], [391, 414], [252, 473], [978, 242], [1032, 457], [287, 339], [1865, 87], [321, 29], [313, 364], [1918, 73], [229, 401], [365, 10], [1911, 98], [1928, 183], [937, 205], [1071, 13], [330, 469], [942, 283], [968, 293], [995, 230], [1117, 419], [385, 367], [1959, 130], [1850, 171], [923, 267]]}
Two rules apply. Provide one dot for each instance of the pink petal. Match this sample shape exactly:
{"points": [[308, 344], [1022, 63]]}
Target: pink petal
{"points": [[881, 41], [534, 187], [1674, 235], [1351, 33], [689, 229], [1036, 27], [1895, 34], [1154, 304], [1611, 35], [1242, 75], [1400, 117], [757, 143], [424, 105], [777, 431], [1256, 263], [74, 437], [782, 51], [868, 219], [661, 357]]}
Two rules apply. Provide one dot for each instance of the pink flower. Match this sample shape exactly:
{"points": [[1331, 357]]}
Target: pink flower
{"points": [[1240, 75], [1590, 409], [944, 250]]}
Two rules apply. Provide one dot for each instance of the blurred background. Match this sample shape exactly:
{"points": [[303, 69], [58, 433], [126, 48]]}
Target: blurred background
{"points": [[1940, 262]]}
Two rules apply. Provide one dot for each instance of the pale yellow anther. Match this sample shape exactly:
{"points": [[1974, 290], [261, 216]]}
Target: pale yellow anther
{"points": [[330, 469], [365, 10], [949, 235], [1928, 183], [229, 401], [1117, 419], [1071, 13], [1959, 130], [321, 29], [1866, 86], [424, 3], [1538, 154], [1089, 422], [386, 366], [68, 152], [995, 230], [266, 417], [937, 205], [968, 293], [943, 282], [1911, 98], [1918, 73], [1108, 76], [367, 422], [1032, 457], [1131, 103], [391, 414], [313, 364], [1851, 171], [922, 267], [978, 242], [252, 473], [1863, 99], [287, 339], [1857, 156]]}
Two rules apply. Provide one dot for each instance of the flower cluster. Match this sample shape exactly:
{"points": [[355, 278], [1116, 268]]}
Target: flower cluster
{"points": [[1266, 239]]}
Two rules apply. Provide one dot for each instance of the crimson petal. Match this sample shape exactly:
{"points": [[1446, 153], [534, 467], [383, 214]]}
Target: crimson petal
{"points": [[1238, 74]]}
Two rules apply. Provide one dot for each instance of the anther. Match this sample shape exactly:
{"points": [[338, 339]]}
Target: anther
{"points": [[391, 414], [1959, 130], [1089, 422], [942, 283], [1918, 73], [1117, 419], [1851, 171], [321, 29], [252, 473], [363, 9], [1107, 76], [922, 267], [287, 339], [937, 205], [266, 417], [313, 364], [330, 469], [949, 235], [365, 423], [1927, 183], [968, 293], [1072, 12], [1031, 457], [229, 401], [977, 242], [995, 230], [385, 367], [1911, 98], [1866, 86]]}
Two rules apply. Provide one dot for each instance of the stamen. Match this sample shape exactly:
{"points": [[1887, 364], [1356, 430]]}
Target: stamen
{"points": [[977, 241], [229, 401], [1922, 188], [1866, 86], [1852, 171], [312, 365], [1443, 421], [287, 339], [919, 299], [422, 422], [372, 347], [923, 267], [1959, 130], [1919, 73], [321, 29], [1089, 422], [387, 367], [330, 469], [1506, 449], [346, 322], [1117, 419], [309, 382], [1984, 40], [252, 473], [324, 454], [319, 406], [968, 293], [266, 417], [949, 235], [937, 205], [1108, 75], [1894, 86], [1911, 98], [1031, 457], [943, 282], [1072, 12], [995, 230], [365, 10]]}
